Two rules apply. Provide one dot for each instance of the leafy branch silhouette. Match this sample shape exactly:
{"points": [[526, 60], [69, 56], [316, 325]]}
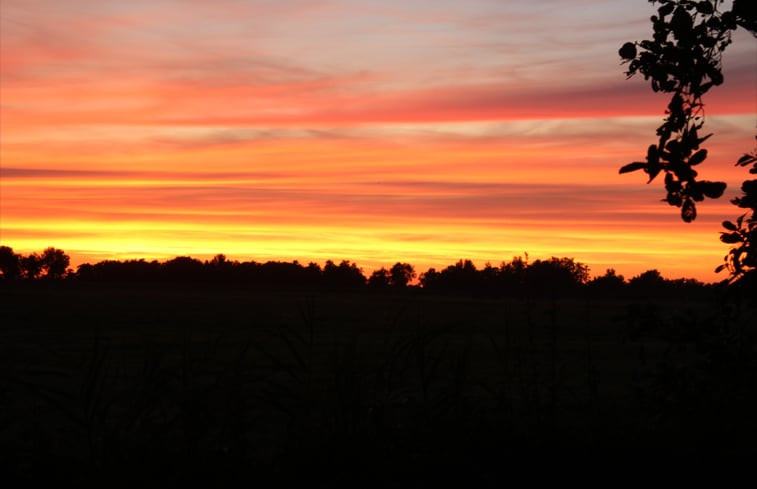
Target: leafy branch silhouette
{"points": [[684, 58]]}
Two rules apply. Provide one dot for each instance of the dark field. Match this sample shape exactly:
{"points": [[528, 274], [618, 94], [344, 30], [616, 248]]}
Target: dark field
{"points": [[213, 384]]}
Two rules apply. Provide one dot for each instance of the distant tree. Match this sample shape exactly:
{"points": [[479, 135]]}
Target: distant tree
{"points": [[684, 58], [460, 277], [129, 270], [430, 279], [9, 263], [649, 280], [490, 278], [380, 278], [556, 275], [219, 268], [85, 271], [313, 273], [401, 274], [344, 275], [610, 278], [463, 275], [31, 266], [182, 268], [284, 274], [512, 276], [608, 284], [55, 263]]}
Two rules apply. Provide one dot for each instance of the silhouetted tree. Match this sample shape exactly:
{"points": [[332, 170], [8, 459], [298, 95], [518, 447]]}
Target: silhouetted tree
{"points": [[489, 279], [55, 263], [648, 284], [31, 266], [684, 59], [85, 271], [553, 276], [313, 273], [430, 279], [556, 275], [608, 285], [344, 275], [285, 274], [219, 269], [650, 277], [462, 276], [401, 274], [512, 276], [379, 278], [9, 263], [609, 279], [182, 268], [219, 262]]}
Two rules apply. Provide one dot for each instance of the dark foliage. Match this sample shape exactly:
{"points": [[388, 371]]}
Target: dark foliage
{"points": [[553, 277], [401, 274], [10, 263], [608, 285], [345, 274], [55, 263], [31, 266], [221, 270], [52, 264], [684, 58], [741, 260], [379, 279]]}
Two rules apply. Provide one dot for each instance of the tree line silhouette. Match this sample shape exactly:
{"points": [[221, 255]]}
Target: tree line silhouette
{"points": [[52, 263], [518, 277]]}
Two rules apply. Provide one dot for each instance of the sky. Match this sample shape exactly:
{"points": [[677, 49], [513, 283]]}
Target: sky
{"points": [[422, 131]]}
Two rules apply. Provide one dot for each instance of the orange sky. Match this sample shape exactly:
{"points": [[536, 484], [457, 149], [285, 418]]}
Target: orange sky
{"points": [[418, 131]]}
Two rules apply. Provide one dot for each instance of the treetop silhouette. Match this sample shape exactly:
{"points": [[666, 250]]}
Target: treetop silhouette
{"points": [[554, 277]]}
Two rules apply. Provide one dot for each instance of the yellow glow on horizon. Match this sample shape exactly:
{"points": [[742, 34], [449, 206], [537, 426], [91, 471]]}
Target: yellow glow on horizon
{"points": [[373, 248]]}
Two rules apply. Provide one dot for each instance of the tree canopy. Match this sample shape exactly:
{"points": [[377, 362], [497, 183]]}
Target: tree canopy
{"points": [[684, 58]]}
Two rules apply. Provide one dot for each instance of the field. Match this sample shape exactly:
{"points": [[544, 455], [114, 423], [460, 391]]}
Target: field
{"points": [[199, 383]]}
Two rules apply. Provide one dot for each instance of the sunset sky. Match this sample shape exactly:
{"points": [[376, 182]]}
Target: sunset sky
{"points": [[418, 131]]}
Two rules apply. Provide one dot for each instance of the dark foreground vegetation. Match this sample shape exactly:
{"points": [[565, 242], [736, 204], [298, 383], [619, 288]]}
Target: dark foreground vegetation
{"points": [[162, 379]]}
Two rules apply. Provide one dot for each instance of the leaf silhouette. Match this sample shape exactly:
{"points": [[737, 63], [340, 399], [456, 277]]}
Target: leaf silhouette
{"points": [[636, 165], [698, 157], [746, 159], [730, 238], [729, 226], [712, 190], [627, 51], [688, 211]]}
